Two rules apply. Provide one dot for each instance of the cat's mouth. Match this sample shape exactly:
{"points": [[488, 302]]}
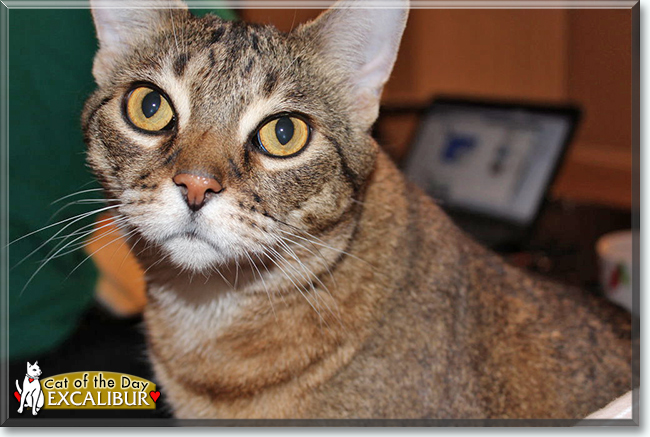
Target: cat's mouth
{"points": [[193, 251], [190, 236]]}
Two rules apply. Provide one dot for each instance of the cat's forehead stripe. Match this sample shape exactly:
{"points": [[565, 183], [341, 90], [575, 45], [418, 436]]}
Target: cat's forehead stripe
{"points": [[216, 35], [270, 82], [180, 63]]}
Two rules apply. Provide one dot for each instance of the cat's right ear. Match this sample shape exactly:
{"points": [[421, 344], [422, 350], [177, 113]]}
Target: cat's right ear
{"points": [[121, 23]]}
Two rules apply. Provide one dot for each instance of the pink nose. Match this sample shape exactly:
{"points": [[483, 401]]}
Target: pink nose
{"points": [[196, 188]]}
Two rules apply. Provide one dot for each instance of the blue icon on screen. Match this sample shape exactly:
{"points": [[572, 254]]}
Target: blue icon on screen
{"points": [[456, 146]]}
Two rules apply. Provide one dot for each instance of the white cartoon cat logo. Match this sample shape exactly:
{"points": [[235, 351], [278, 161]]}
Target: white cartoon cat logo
{"points": [[31, 394]]}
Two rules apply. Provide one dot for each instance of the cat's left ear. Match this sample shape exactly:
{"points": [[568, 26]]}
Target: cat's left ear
{"points": [[363, 41], [121, 24]]}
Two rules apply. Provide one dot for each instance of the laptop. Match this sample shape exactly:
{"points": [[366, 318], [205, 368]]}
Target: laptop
{"points": [[490, 164]]}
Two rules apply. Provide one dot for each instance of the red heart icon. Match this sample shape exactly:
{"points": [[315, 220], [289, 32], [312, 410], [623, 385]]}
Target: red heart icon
{"points": [[17, 395], [31, 379], [154, 395]]}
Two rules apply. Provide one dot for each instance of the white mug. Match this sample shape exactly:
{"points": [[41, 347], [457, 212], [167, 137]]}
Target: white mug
{"points": [[615, 257]]}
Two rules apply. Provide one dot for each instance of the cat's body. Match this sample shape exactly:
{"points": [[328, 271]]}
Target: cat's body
{"points": [[341, 290], [31, 393]]}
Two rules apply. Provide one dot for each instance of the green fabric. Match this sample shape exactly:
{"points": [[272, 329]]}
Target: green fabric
{"points": [[226, 14], [50, 63]]}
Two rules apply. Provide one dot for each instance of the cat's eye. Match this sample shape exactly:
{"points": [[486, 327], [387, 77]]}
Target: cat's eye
{"points": [[283, 136], [148, 109]]}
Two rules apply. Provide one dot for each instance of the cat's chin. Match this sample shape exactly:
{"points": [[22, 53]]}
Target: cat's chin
{"points": [[194, 254]]}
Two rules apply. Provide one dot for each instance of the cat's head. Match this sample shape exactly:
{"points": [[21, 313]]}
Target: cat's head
{"points": [[33, 369], [220, 138]]}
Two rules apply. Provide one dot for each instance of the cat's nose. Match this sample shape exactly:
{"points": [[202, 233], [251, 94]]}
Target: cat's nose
{"points": [[196, 188]]}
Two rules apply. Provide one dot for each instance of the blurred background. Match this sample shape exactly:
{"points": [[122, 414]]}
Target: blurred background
{"points": [[88, 318]]}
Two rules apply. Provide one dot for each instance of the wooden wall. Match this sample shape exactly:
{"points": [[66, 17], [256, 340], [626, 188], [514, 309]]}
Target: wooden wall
{"points": [[599, 70], [582, 56]]}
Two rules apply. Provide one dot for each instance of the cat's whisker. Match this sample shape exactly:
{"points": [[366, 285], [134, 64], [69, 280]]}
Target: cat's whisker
{"points": [[279, 291], [233, 285], [323, 260], [75, 194], [293, 21], [289, 250], [84, 228], [313, 237], [298, 287], [85, 233], [130, 251], [146, 247], [120, 226], [91, 255], [309, 272], [313, 243], [76, 219], [316, 242], [268, 294], [43, 264], [91, 227], [160, 260], [236, 272], [79, 245], [171, 15], [79, 216], [75, 245], [279, 256], [216, 269], [80, 202], [63, 245]]}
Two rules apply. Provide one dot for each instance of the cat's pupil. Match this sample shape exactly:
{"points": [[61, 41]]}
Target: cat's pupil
{"points": [[151, 104], [284, 130]]}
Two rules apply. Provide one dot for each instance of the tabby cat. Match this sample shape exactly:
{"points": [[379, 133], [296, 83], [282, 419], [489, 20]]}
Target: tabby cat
{"points": [[292, 271]]}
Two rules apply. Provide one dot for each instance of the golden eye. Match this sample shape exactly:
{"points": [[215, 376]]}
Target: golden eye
{"points": [[148, 109], [283, 136]]}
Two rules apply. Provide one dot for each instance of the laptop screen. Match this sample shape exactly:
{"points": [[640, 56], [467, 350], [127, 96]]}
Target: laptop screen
{"points": [[493, 159]]}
